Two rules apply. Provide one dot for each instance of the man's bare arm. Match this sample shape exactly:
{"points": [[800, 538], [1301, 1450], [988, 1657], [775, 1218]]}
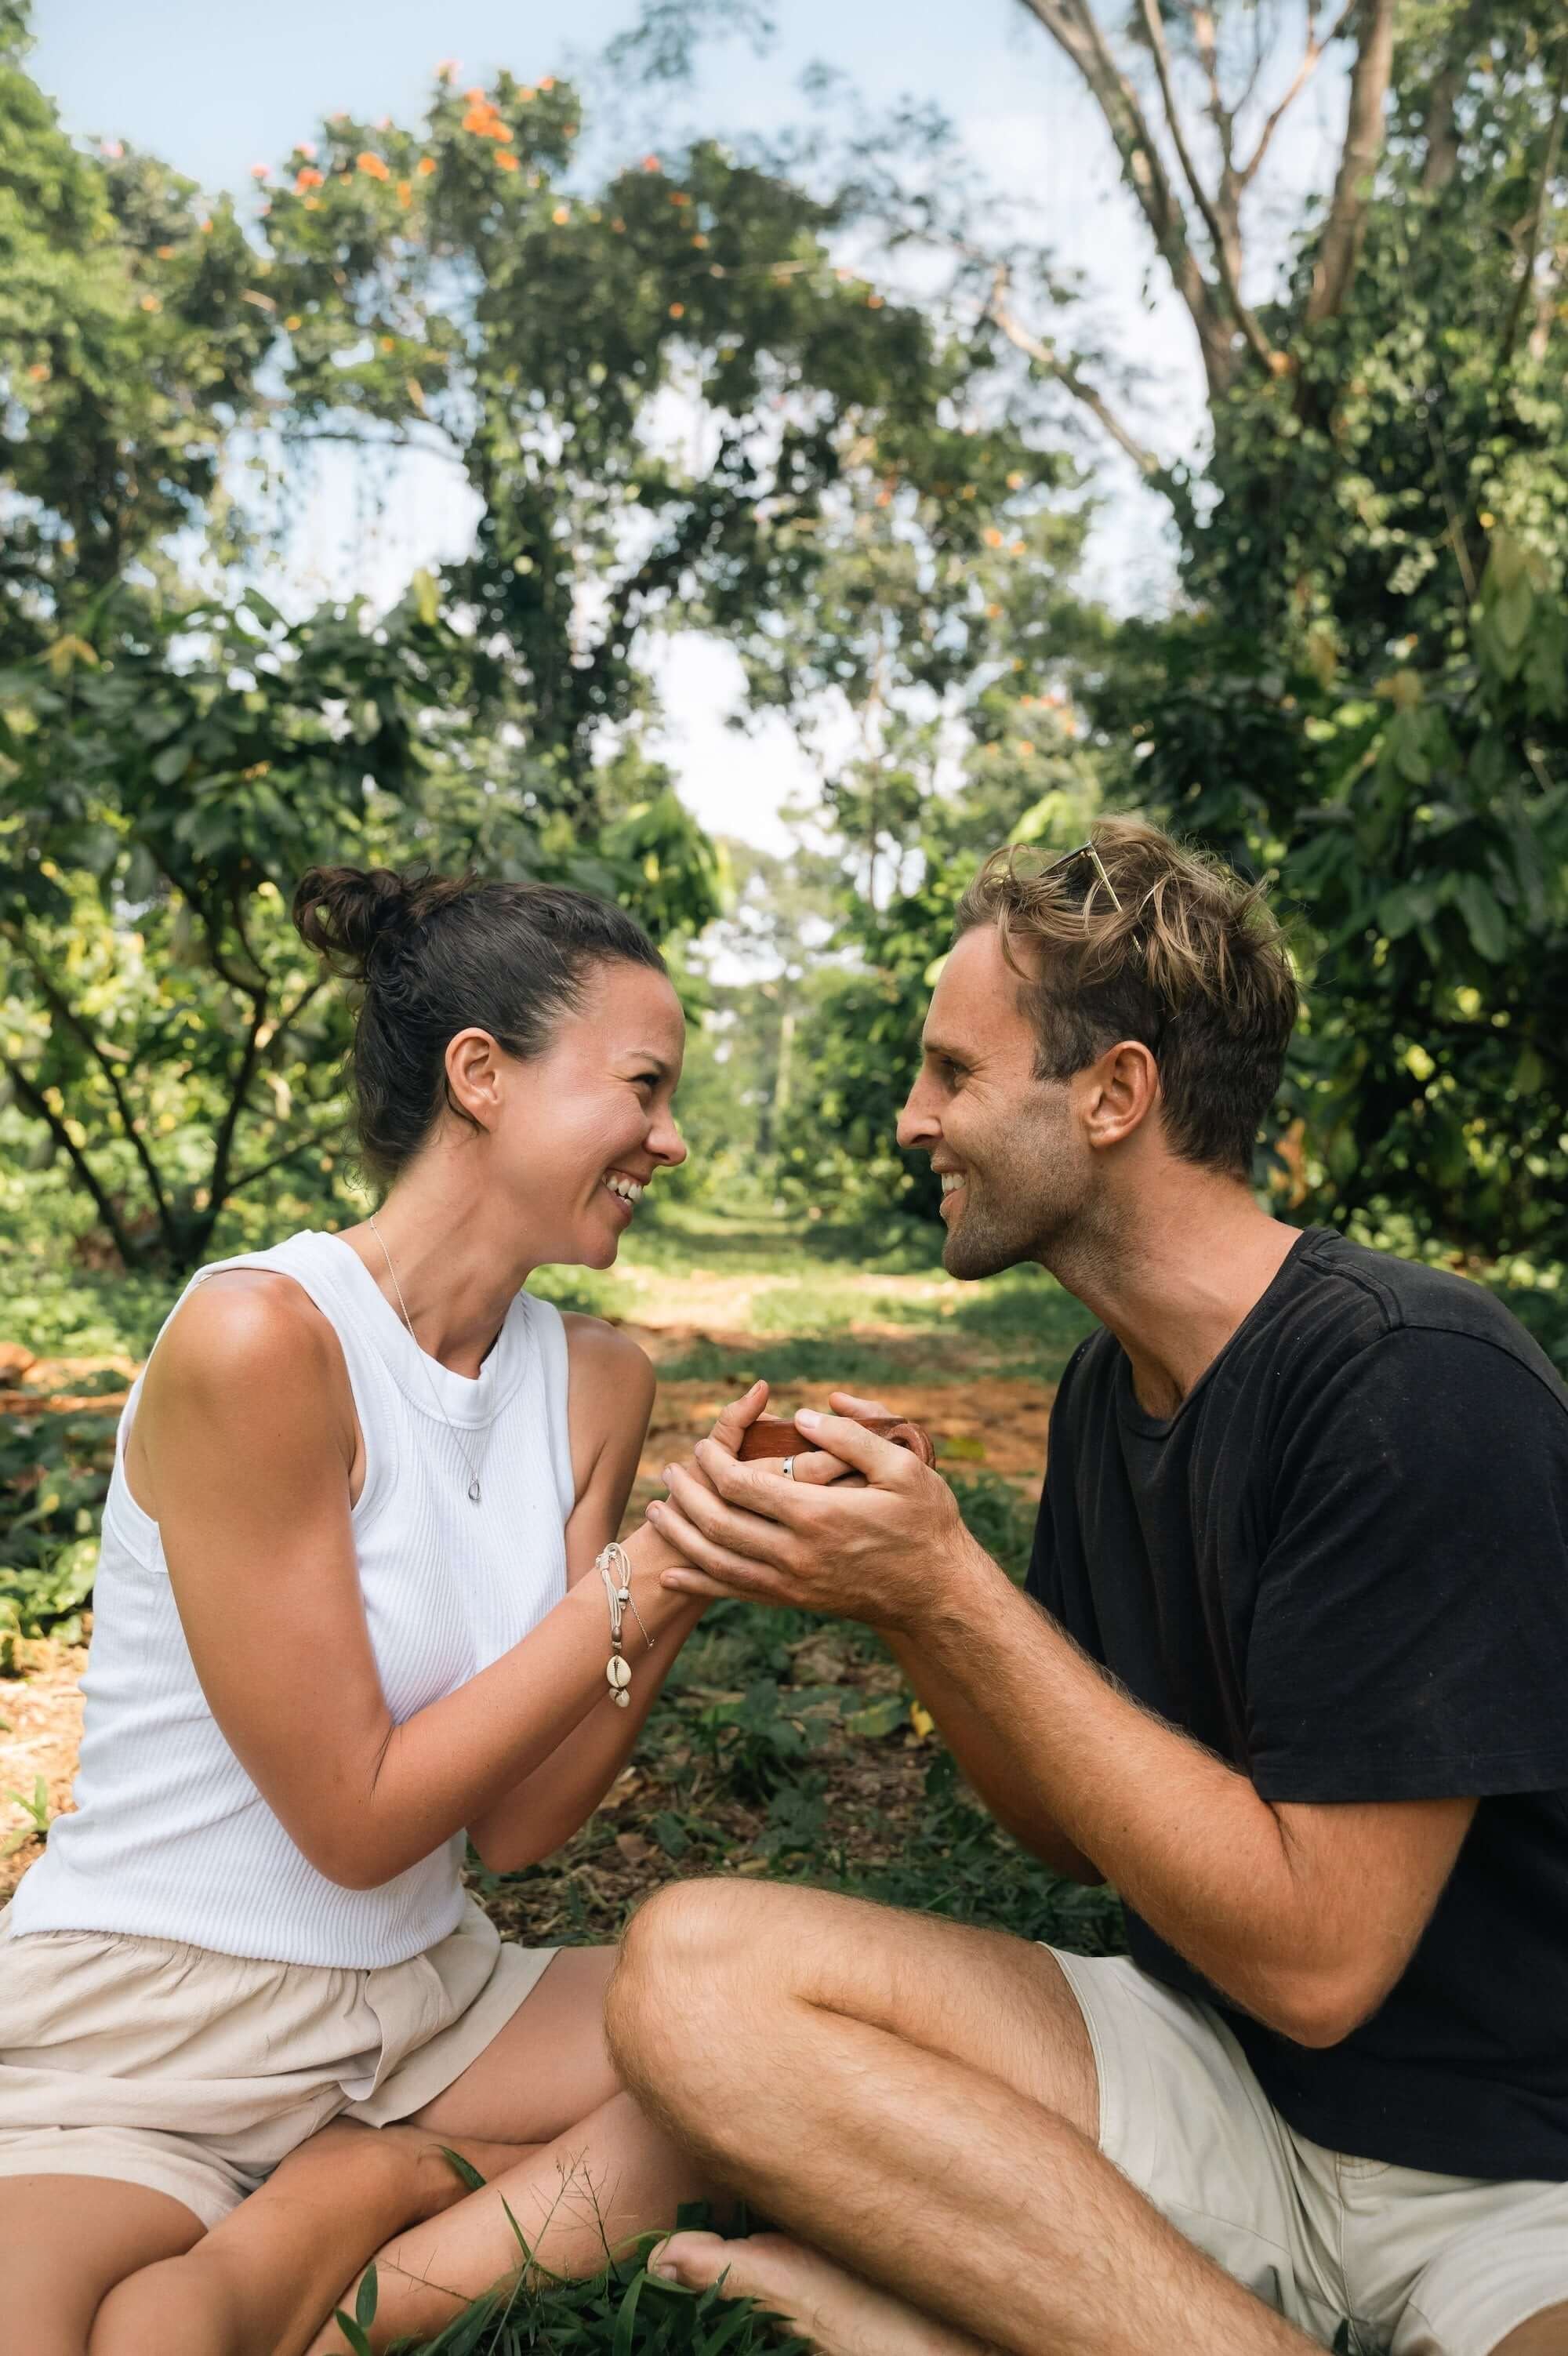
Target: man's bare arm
{"points": [[1303, 1915]]}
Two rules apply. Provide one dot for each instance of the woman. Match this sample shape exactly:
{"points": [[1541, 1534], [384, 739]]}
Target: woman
{"points": [[354, 1604]]}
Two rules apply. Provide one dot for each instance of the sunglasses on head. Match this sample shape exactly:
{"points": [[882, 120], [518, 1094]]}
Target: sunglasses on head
{"points": [[1085, 851]]}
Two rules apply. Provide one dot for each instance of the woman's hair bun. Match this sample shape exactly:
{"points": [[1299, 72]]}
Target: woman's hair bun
{"points": [[347, 913]]}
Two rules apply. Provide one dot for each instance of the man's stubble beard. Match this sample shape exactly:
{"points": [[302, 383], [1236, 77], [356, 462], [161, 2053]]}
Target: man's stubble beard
{"points": [[1035, 1204]]}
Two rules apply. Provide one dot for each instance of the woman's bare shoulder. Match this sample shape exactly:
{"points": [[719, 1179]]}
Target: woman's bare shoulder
{"points": [[245, 1327], [604, 1358]]}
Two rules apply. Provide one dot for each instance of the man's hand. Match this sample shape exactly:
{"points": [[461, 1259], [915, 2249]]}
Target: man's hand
{"points": [[887, 1550]]}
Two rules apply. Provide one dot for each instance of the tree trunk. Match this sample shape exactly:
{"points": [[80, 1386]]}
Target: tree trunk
{"points": [[1359, 160]]}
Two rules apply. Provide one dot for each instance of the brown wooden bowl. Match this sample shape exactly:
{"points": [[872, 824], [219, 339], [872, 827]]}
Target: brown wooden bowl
{"points": [[775, 1435]]}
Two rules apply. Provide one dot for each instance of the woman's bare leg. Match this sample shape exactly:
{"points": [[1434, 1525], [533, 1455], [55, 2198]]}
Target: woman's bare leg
{"points": [[589, 2192], [67, 2240], [259, 2284]]}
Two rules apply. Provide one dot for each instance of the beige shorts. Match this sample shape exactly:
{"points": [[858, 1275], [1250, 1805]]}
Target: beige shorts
{"points": [[1421, 2265], [195, 2074]]}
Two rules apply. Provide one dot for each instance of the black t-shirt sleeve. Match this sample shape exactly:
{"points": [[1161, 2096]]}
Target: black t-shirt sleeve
{"points": [[1409, 1633]]}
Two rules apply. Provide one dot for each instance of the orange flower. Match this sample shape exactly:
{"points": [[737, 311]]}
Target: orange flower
{"points": [[546, 81], [405, 193], [206, 226], [372, 165], [165, 252], [678, 196], [525, 92], [389, 343], [425, 165], [293, 321], [260, 171], [309, 178], [475, 97], [506, 161], [306, 147], [874, 302], [151, 303], [700, 242], [651, 163], [39, 371], [677, 310], [561, 216], [994, 538]]}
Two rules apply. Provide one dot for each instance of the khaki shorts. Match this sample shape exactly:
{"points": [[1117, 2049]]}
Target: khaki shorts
{"points": [[195, 2074], [1421, 2265]]}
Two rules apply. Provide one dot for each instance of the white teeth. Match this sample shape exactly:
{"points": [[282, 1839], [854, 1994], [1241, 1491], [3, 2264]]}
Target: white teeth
{"points": [[952, 1180], [627, 1188]]}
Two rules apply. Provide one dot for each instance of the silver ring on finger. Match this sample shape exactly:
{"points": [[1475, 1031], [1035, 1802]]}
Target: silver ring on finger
{"points": [[789, 1468]]}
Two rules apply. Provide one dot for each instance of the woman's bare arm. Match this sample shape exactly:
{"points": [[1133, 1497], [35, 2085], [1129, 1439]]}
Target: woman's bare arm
{"points": [[612, 1389], [246, 1441]]}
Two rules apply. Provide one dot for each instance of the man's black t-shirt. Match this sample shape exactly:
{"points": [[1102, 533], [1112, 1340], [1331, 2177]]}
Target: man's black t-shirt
{"points": [[1342, 1565]]}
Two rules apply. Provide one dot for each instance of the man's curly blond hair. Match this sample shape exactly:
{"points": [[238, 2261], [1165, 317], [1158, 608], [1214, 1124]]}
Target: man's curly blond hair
{"points": [[1141, 936]]}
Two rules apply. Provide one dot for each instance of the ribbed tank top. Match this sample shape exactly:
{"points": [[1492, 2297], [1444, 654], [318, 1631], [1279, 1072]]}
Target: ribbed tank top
{"points": [[170, 1839]]}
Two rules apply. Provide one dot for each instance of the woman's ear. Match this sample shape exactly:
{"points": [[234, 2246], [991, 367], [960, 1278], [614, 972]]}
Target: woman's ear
{"points": [[474, 1075]]}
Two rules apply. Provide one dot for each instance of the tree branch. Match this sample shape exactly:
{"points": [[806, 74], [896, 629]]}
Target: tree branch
{"points": [[1072, 25], [1271, 361], [1046, 356], [1369, 79], [1228, 198], [1311, 56], [33, 1097], [1549, 164], [310, 1144], [65, 1012]]}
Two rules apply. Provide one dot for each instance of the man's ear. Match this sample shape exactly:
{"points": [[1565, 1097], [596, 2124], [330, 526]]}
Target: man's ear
{"points": [[474, 1074], [1120, 1092]]}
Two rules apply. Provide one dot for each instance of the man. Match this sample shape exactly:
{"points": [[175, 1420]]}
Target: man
{"points": [[1292, 1673]]}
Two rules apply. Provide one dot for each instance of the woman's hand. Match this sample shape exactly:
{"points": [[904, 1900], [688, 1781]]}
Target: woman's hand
{"points": [[885, 1552]]}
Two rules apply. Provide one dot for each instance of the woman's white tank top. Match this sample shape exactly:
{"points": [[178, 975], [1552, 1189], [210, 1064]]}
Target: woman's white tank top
{"points": [[170, 1839]]}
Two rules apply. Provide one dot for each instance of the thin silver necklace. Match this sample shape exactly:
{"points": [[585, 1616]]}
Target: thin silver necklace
{"points": [[440, 1409]]}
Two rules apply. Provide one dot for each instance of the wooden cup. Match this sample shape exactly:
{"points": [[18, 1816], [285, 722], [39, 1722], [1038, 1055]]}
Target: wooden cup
{"points": [[775, 1435]]}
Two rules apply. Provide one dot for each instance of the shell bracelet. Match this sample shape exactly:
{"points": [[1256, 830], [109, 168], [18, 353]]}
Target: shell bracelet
{"points": [[614, 1567]]}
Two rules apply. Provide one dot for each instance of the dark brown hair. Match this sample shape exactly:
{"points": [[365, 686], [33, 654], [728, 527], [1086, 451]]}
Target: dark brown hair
{"points": [[1159, 943], [440, 954]]}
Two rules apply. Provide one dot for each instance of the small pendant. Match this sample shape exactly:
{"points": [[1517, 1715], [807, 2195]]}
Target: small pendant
{"points": [[474, 1489], [621, 1700], [617, 1672]]}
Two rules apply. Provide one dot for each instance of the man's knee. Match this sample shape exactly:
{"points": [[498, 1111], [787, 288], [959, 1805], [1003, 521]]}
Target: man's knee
{"points": [[687, 1955]]}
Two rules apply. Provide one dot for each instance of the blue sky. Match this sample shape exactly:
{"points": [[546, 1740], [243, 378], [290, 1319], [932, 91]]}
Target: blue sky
{"points": [[215, 88]]}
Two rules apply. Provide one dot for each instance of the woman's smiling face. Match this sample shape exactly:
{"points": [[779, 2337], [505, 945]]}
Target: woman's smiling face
{"points": [[580, 1131]]}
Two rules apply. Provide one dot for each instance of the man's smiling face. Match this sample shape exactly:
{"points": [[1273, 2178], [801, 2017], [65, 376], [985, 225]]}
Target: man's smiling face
{"points": [[1015, 1169]]}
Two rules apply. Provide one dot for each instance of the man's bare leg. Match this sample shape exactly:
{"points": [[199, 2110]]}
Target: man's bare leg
{"points": [[835, 2310], [917, 2101]]}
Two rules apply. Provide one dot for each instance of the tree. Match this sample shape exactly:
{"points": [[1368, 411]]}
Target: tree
{"points": [[1365, 692], [172, 758]]}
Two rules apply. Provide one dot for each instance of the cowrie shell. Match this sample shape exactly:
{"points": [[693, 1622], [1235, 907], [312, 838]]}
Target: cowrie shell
{"points": [[617, 1672]]}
